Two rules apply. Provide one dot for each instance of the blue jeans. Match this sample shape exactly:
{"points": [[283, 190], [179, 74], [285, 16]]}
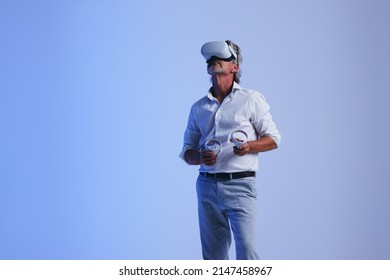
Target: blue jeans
{"points": [[221, 202]]}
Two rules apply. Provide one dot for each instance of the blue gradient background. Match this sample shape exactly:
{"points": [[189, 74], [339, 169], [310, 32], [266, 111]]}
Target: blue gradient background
{"points": [[94, 99]]}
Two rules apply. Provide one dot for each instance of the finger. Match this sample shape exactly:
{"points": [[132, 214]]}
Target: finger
{"points": [[238, 152]]}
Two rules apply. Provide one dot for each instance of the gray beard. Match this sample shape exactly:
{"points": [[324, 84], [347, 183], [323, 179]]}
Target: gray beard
{"points": [[216, 70]]}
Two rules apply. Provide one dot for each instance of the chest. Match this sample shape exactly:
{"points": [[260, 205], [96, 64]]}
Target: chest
{"points": [[226, 116]]}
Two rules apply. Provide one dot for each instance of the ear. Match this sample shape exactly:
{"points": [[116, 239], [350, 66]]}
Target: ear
{"points": [[235, 68]]}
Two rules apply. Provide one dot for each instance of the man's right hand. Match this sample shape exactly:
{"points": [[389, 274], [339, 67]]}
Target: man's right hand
{"points": [[208, 157]]}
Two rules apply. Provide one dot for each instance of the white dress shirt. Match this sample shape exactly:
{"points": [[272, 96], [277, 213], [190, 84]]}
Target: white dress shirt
{"points": [[243, 109]]}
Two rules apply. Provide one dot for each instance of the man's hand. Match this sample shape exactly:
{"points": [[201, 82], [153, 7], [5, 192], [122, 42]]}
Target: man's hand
{"points": [[243, 150], [265, 143], [208, 157]]}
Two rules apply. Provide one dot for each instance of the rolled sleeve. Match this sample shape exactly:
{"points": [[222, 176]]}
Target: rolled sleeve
{"points": [[262, 120], [192, 136], [269, 129]]}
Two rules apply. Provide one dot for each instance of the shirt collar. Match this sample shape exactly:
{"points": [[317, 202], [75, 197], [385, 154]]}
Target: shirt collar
{"points": [[235, 87]]}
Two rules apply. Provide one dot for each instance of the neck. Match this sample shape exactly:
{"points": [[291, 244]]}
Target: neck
{"points": [[222, 86]]}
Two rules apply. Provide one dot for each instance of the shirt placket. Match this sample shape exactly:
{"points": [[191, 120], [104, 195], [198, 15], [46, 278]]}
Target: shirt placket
{"points": [[217, 120], [219, 115]]}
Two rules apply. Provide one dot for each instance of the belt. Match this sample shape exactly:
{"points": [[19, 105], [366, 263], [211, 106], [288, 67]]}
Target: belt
{"points": [[228, 176]]}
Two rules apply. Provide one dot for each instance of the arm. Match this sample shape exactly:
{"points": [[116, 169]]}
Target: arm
{"points": [[192, 157], [263, 144], [268, 134], [195, 157]]}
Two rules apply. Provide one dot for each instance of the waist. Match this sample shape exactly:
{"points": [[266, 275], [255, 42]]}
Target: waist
{"points": [[228, 176]]}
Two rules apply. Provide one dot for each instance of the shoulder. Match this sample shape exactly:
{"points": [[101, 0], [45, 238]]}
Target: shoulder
{"points": [[200, 102], [251, 94], [200, 105], [255, 100]]}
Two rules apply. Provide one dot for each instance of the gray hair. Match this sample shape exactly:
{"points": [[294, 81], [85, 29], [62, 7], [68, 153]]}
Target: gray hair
{"points": [[238, 61]]}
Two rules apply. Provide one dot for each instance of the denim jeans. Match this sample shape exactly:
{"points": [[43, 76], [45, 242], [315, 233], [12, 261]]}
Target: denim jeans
{"points": [[225, 206]]}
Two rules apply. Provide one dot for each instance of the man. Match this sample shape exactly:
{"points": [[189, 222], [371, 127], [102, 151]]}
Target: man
{"points": [[226, 185]]}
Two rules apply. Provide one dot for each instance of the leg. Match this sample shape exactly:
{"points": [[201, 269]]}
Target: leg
{"points": [[240, 202], [213, 223]]}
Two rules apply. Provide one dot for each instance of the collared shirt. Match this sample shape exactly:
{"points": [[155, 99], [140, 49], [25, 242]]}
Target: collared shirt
{"points": [[243, 109]]}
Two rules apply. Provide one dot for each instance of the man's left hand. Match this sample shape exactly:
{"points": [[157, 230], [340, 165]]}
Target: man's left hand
{"points": [[243, 150]]}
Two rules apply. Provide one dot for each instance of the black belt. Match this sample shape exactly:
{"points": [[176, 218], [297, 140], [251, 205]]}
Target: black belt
{"points": [[228, 176]]}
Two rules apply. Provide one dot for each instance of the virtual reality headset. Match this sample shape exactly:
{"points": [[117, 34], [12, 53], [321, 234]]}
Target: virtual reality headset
{"points": [[218, 50]]}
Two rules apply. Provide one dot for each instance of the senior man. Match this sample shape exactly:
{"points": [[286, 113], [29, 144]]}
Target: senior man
{"points": [[226, 185]]}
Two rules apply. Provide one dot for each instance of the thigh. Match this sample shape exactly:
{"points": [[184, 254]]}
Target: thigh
{"points": [[239, 194], [241, 207], [209, 206], [239, 202]]}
